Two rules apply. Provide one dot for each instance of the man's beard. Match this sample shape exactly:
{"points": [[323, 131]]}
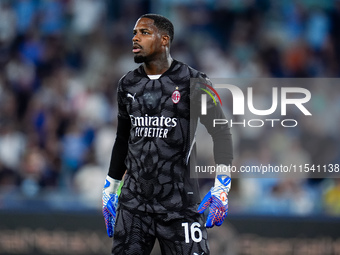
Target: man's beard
{"points": [[139, 59]]}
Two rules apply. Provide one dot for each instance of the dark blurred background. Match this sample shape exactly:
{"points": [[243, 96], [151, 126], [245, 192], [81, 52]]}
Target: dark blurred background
{"points": [[60, 62]]}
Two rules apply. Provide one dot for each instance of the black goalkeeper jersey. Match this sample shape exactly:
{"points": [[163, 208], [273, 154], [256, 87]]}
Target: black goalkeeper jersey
{"points": [[160, 140]]}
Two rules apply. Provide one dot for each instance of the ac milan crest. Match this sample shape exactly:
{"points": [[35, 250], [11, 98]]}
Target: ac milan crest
{"points": [[176, 96]]}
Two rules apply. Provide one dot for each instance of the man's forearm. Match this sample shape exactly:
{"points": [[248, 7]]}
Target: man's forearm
{"points": [[120, 149]]}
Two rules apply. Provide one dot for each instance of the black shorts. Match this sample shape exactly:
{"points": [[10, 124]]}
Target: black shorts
{"points": [[136, 233]]}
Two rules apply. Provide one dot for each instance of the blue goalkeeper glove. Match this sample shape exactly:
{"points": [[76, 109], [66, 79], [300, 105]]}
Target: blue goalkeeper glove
{"points": [[217, 200], [111, 193]]}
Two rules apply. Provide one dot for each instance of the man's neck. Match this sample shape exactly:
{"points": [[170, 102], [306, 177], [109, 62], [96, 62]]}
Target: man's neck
{"points": [[158, 66]]}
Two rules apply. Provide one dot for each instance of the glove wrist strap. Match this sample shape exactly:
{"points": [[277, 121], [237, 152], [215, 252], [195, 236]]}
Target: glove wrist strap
{"points": [[222, 172], [111, 185]]}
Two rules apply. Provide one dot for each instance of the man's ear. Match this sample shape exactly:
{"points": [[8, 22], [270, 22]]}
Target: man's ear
{"points": [[165, 40]]}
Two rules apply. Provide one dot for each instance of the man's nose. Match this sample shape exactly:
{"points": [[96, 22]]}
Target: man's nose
{"points": [[135, 38]]}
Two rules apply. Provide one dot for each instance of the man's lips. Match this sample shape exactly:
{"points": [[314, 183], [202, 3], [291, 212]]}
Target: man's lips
{"points": [[136, 48]]}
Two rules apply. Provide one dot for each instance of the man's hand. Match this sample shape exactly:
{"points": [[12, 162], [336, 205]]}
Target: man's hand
{"points": [[217, 200], [111, 192]]}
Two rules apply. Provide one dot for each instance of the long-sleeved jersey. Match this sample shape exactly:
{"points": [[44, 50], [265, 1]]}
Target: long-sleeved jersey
{"points": [[155, 139]]}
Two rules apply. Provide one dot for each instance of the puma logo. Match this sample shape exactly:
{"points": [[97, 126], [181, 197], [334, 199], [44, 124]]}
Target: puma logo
{"points": [[131, 96]]}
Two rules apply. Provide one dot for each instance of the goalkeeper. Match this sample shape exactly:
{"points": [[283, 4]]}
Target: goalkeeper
{"points": [[153, 147]]}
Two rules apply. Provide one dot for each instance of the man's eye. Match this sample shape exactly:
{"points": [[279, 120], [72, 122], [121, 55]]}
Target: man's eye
{"points": [[145, 33]]}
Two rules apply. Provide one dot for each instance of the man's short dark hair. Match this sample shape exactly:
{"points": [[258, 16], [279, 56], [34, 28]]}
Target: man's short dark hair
{"points": [[162, 23]]}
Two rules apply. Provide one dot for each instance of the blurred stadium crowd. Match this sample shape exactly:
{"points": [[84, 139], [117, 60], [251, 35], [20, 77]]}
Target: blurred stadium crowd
{"points": [[60, 62]]}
